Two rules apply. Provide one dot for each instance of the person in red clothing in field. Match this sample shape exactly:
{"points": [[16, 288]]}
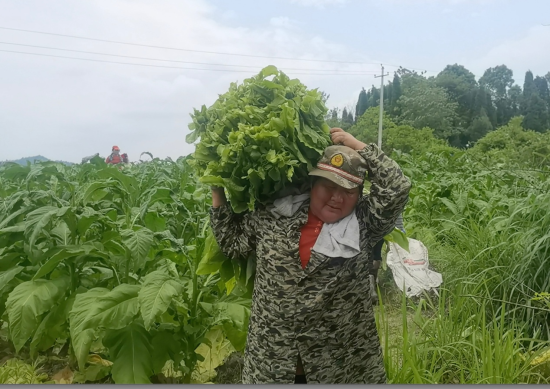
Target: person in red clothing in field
{"points": [[115, 157]]}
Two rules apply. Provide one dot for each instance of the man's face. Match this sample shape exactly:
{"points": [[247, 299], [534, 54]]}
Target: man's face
{"points": [[331, 202], [116, 152]]}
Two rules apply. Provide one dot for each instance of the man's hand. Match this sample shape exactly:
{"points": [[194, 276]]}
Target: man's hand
{"points": [[339, 136]]}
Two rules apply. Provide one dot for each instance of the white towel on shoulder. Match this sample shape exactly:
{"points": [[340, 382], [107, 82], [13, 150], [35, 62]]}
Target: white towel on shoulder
{"points": [[340, 239]]}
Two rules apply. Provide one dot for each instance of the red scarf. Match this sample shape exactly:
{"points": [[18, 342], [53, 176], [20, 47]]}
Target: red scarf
{"points": [[310, 232]]}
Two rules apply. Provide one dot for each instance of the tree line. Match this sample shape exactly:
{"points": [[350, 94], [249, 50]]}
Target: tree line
{"points": [[459, 108]]}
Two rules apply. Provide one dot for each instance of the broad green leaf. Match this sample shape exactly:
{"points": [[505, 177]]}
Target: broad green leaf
{"points": [[156, 294], [37, 220], [154, 222], [13, 229], [62, 253], [212, 257], [62, 232], [397, 236], [236, 336], [91, 374], [237, 310], [269, 71], [27, 302], [52, 327], [130, 351], [100, 308], [115, 309], [192, 136], [166, 346], [8, 275], [138, 242], [130, 184], [95, 192], [82, 334], [9, 260], [13, 216]]}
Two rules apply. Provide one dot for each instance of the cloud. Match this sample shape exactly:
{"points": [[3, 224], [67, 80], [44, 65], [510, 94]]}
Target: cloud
{"points": [[282, 22], [68, 109], [432, 2], [527, 52], [318, 3]]}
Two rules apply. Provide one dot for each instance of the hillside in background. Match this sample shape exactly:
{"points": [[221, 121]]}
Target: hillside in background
{"points": [[39, 158]]}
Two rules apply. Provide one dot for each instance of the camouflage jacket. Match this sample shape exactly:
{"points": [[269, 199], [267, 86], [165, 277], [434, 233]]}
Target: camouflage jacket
{"points": [[323, 312]]}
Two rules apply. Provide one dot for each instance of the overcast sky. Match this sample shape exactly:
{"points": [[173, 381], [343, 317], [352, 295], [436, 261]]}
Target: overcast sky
{"points": [[67, 109]]}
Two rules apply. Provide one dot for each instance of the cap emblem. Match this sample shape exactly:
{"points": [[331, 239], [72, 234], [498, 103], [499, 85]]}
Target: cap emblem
{"points": [[337, 160]]}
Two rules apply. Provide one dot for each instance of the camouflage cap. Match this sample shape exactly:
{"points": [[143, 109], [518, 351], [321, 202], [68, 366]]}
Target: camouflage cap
{"points": [[342, 165]]}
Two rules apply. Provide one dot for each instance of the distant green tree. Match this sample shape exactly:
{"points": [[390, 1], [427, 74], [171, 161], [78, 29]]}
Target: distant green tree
{"points": [[511, 143], [427, 105], [345, 115], [541, 86], [461, 85], [483, 102], [366, 127], [387, 95], [396, 91], [332, 118], [536, 114], [346, 121], [349, 119], [412, 140], [374, 100], [498, 81], [528, 90], [515, 96], [480, 126], [362, 103]]}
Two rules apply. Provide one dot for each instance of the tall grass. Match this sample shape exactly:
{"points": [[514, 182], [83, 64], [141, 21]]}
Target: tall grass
{"points": [[450, 341]]}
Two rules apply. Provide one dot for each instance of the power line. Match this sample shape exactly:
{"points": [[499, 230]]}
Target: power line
{"points": [[166, 67], [199, 51], [355, 72]]}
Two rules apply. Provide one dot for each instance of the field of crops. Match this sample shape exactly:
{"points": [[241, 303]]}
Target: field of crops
{"points": [[95, 259]]}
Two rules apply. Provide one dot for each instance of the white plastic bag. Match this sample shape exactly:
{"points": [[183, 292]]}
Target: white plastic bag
{"points": [[411, 268]]}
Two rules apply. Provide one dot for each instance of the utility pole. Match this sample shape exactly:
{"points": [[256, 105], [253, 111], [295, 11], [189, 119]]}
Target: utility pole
{"points": [[381, 106]]}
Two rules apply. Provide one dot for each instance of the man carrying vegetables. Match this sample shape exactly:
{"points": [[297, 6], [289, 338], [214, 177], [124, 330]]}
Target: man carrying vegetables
{"points": [[311, 316]]}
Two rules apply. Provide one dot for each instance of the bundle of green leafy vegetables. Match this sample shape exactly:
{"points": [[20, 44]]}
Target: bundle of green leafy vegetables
{"points": [[259, 138]]}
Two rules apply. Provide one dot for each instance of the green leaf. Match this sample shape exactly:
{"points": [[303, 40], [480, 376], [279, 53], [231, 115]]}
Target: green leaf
{"points": [[212, 257], [156, 294], [154, 222], [92, 373], [397, 236], [115, 309], [62, 253], [37, 220], [138, 242], [82, 334], [270, 70], [166, 346], [8, 275], [9, 260], [101, 308], [192, 136], [131, 353], [236, 336], [27, 302], [52, 327]]}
